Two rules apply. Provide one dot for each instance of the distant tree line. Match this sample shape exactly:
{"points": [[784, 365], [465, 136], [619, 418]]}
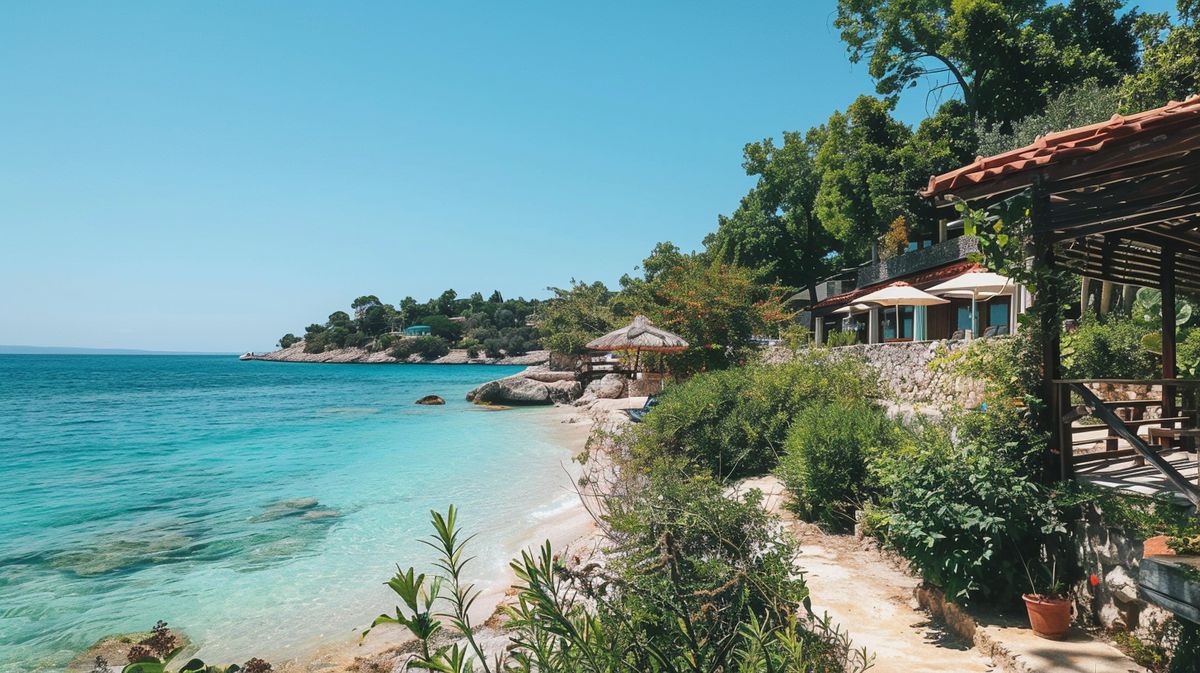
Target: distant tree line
{"points": [[494, 326]]}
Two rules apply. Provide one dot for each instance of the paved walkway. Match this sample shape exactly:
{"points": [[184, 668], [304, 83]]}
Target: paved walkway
{"points": [[871, 597]]}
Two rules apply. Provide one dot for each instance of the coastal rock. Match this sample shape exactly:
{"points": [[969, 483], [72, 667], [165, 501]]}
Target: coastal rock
{"points": [[431, 400], [513, 390], [608, 387], [545, 375], [113, 649], [564, 391]]}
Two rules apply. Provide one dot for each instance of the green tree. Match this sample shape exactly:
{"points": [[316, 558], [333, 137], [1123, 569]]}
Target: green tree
{"points": [[288, 340], [775, 228], [1004, 56], [442, 326], [862, 187], [1170, 60], [575, 316], [362, 304], [1086, 104]]}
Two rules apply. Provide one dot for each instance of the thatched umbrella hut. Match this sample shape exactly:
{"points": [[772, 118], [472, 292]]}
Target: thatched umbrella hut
{"points": [[639, 336]]}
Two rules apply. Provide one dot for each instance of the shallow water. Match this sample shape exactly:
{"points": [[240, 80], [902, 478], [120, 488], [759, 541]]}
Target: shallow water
{"points": [[259, 506]]}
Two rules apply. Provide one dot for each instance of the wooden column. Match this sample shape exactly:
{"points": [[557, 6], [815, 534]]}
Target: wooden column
{"points": [[1059, 463], [1168, 330]]}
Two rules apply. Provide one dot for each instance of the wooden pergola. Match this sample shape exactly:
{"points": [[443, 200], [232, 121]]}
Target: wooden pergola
{"points": [[1116, 201]]}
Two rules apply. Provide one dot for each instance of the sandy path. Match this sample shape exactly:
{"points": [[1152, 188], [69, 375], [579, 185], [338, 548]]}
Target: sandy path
{"points": [[871, 597]]}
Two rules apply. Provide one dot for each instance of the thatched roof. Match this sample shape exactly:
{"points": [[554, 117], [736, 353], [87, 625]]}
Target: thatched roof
{"points": [[639, 335]]}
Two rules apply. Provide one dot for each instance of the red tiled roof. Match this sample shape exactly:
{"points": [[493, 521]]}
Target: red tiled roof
{"points": [[938, 274], [1071, 144]]}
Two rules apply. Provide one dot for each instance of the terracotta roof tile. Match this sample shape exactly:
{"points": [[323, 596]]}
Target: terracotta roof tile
{"points": [[1069, 144]]}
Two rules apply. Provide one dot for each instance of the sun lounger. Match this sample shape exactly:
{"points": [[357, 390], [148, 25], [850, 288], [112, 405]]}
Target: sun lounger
{"points": [[636, 415]]}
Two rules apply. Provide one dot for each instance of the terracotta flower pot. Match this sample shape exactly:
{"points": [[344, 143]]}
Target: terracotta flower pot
{"points": [[1049, 617]]}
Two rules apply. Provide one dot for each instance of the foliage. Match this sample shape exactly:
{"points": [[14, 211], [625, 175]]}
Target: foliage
{"points": [[154, 653], [964, 517], [837, 339], [376, 325], [288, 340], [1085, 104], [1147, 309], [1172, 646], [428, 347], [734, 423], [705, 584], [895, 240], [1170, 67], [1107, 347], [862, 187], [827, 451], [1004, 58], [575, 316], [775, 228], [1139, 516]]}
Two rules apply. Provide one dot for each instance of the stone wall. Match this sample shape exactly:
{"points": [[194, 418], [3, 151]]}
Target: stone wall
{"points": [[907, 377], [1114, 558]]}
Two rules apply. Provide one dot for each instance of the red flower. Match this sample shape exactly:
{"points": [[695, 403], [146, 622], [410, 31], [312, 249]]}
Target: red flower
{"points": [[1093, 579]]}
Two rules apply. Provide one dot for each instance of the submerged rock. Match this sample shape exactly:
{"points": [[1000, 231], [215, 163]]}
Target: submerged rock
{"points": [[431, 400]]}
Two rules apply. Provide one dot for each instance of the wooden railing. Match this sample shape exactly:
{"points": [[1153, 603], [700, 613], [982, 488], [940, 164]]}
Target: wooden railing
{"points": [[1173, 425]]}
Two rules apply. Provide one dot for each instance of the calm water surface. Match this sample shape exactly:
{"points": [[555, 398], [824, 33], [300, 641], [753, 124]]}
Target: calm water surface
{"points": [[257, 505]]}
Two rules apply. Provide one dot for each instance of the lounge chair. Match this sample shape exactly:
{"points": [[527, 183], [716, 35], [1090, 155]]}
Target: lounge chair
{"points": [[990, 332], [1002, 330], [636, 415], [958, 335]]}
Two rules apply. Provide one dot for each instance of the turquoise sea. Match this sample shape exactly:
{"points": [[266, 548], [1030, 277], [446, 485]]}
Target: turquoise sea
{"points": [[259, 506]]}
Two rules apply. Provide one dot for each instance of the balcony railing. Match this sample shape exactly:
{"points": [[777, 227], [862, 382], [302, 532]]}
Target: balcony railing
{"points": [[917, 260]]}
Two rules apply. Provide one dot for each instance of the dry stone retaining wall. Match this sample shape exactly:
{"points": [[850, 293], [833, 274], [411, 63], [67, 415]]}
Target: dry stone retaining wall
{"points": [[907, 378]]}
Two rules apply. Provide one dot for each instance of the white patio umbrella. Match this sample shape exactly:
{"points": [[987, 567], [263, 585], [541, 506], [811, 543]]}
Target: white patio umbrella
{"points": [[976, 285], [852, 308], [901, 294]]}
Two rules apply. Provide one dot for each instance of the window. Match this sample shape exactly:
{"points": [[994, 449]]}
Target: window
{"points": [[998, 312]]}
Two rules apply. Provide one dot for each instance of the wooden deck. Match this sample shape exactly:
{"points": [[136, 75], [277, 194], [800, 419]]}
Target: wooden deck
{"points": [[1125, 475]]}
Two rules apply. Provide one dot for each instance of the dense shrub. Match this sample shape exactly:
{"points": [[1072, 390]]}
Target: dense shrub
{"points": [[1107, 348], [828, 449], [733, 423], [428, 347], [965, 518]]}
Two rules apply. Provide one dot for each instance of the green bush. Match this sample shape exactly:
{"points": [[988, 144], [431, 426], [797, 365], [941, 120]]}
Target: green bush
{"points": [[733, 423], [965, 518], [828, 449], [428, 347], [1109, 347]]}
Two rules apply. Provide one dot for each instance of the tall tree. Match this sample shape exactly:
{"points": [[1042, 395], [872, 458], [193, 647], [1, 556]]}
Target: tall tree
{"points": [[1170, 60], [775, 229], [862, 187], [1004, 56]]}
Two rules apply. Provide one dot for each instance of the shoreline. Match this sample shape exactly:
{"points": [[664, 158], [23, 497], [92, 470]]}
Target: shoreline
{"points": [[567, 525], [361, 356]]}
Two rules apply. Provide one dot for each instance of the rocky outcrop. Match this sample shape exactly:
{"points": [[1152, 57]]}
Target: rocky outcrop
{"points": [[536, 385], [607, 387], [431, 400], [364, 356]]}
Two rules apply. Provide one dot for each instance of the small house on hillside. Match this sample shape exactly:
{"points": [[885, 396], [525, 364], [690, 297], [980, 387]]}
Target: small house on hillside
{"points": [[418, 330]]}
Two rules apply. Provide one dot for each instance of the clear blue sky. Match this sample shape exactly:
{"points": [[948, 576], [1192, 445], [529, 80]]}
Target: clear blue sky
{"points": [[208, 176]]}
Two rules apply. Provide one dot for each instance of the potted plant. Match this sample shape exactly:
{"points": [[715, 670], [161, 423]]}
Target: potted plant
{"points": [[1048, 603]]}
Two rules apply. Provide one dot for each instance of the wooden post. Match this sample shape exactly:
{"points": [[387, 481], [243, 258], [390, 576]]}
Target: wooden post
{"points": [[1057, 398], [1168, 331]]}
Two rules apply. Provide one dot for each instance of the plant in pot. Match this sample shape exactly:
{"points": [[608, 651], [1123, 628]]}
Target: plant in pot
{"points": [[1048, 602]]}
